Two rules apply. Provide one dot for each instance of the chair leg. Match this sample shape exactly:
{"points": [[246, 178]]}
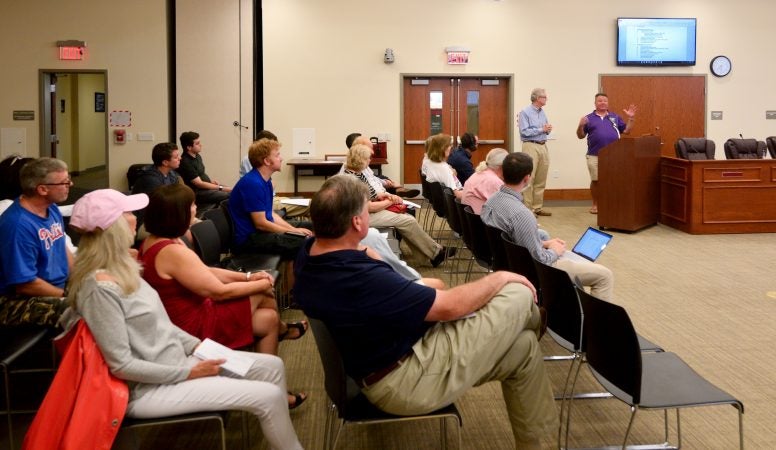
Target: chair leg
{"points": [[571, 400], [740, 427], [630, 426], [563, 401]]}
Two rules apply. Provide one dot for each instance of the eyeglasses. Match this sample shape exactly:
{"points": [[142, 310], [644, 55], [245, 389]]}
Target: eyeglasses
{"points": [[67, 182]]}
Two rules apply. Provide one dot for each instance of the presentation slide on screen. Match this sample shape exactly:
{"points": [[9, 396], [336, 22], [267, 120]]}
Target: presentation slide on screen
{"points": [[657, 41]]}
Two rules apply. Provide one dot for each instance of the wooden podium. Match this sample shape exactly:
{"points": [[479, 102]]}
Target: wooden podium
{"points": [[629, 183]]}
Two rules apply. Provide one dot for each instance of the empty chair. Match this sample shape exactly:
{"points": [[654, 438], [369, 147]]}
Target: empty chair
{"points": [[771, 143], [134, 172], [349, 405], [694, 148], [564, 323], [744, 149], [644, 380]]}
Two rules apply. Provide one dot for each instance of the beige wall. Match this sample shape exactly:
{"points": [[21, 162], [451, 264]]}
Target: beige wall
{"points": [[324, 69], [128, 39]]}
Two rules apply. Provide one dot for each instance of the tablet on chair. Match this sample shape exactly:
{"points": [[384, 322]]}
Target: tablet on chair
{"points": [[592, 244]]}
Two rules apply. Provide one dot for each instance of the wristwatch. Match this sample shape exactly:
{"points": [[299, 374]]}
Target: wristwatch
{"points": [[220, 188]]}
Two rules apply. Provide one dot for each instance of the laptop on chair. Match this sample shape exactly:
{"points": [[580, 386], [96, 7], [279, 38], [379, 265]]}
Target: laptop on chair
{"points": [[591, 244]]}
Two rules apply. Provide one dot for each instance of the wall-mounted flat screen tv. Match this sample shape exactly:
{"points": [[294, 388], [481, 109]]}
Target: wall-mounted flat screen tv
{"points": [[655, 41]]}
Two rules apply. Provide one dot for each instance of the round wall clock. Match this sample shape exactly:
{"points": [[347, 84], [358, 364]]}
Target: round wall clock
{"points": [[720, 66]]}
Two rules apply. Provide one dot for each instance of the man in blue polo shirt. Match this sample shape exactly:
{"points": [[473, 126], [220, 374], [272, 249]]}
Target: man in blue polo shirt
{"points": [[35, 260], [412, 348], [257, 227], [601, 128]]}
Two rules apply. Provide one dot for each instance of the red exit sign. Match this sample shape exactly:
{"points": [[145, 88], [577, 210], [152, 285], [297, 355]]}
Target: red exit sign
{"points": [[71, 53]]}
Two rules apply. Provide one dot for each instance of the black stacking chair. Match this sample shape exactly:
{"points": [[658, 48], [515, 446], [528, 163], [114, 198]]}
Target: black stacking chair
{"points": [[15, 342], [497, 248], [479, 241], [770, 142], [520, 261], [644, 380], [349, 405]]}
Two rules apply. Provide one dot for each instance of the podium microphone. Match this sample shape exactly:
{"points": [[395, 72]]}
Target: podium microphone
{"points": [[740, 135]]}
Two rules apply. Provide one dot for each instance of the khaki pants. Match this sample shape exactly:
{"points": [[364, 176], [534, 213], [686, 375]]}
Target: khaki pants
{"points": [[499, 343], [409, 228], [598, 277], [533, 196]]}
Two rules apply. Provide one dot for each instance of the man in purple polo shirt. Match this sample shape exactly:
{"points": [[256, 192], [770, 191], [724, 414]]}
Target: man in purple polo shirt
{"points": [[602, 128]]}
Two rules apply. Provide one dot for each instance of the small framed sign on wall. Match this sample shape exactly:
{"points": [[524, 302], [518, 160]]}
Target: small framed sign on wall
{"points": [[99, 102]]}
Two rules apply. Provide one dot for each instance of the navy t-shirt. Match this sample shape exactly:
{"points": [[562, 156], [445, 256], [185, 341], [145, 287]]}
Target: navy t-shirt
{"points": [[374, 314]]}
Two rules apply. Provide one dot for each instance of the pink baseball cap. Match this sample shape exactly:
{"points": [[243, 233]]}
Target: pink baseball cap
{"points": [[101, 208]]}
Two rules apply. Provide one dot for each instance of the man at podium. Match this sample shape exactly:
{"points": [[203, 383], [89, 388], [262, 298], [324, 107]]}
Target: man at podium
{"points": [[602, 127]]}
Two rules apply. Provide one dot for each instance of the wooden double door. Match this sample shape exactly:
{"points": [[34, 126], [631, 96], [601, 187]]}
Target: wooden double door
{"points": [[453, 105], [669, 106]]}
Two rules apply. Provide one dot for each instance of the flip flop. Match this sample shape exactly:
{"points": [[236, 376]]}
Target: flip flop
{"points": [[593, 210], [299, 398], [301, 326]]}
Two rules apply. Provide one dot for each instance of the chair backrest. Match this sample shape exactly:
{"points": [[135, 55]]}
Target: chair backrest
{"points": [[564, 310], [134, 172], [339, 387], [480, 246], [611, 344], [219, 219], [744, 149], [437, 199], [520, 260], [771, 143], [497, 249], [466, 231], [694, 148], [453, 219], [207, 243]]}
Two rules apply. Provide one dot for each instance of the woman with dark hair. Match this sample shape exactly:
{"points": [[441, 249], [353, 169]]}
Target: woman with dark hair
{"points": [[208, 302], [143, 347]]}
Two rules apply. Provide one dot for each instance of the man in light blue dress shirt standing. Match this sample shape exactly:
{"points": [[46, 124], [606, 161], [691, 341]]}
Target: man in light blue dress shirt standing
{"points": [[534, 129]]}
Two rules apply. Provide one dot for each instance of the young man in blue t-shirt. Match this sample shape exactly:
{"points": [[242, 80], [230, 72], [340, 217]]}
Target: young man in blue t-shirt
{"points": [[257, 228], [412, 348], [36, 261]]}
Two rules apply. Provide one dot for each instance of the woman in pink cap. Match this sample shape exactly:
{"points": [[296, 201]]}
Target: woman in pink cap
{"points": [[143, 347]]}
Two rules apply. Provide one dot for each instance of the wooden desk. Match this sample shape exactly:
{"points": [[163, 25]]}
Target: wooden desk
{"points": [[718, 196], [323, 168]]}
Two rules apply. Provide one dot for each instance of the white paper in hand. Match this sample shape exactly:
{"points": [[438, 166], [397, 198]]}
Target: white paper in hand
{"points": [[235, 362]]}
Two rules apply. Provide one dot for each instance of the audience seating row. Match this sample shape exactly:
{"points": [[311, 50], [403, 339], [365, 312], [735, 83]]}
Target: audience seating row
{"points": [[630, 367], [625, 363], [702, 148]]}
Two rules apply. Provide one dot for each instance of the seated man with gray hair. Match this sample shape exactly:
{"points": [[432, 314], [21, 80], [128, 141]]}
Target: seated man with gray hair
{"points": [[35, 259], [412, 348]]}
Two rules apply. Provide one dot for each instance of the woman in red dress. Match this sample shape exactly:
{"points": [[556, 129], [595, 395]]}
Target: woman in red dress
{"points": [[230, 307]]}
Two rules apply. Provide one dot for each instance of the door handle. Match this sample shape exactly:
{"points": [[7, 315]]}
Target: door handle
{"points": [[411, 142], [490, 141], [238, 124]]}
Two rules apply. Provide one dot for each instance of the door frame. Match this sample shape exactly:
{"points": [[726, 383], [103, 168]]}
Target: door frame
{"points": [[510, 77], [44, 107]]}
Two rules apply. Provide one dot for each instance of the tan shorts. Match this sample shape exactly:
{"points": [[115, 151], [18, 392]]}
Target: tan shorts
{"points": [[592, 167]]}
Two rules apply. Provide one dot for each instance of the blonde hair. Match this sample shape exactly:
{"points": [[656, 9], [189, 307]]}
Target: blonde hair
{"points": [[358, 157], [494, 159], [437, 144], [106, 250], [260, 150]]}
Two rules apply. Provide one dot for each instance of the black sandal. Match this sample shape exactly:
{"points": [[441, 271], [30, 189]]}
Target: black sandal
{"points": [[301, 326], [299, 398]]}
